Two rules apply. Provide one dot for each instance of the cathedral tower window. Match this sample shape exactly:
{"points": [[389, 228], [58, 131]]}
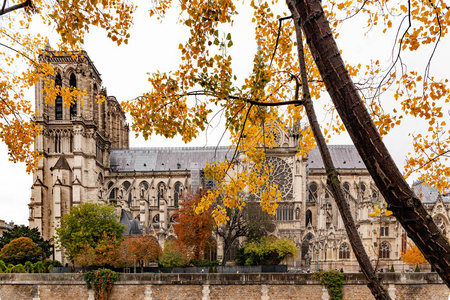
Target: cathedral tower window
{"points": [[384, 231], [344, 251], [384, 250], [73, 106], [58, 100], [57, 143]]}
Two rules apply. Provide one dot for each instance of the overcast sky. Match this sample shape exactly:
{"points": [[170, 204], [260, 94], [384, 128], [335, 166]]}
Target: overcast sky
{"points": [[153, 46]]}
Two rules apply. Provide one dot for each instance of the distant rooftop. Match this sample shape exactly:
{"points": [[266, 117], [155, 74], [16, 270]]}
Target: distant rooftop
{"points": [[195, 158], [343, 156], [166, 158], [429, 193]]}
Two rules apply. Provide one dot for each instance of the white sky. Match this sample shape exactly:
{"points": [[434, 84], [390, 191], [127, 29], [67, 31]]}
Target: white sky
{"points": [[153, 46]]}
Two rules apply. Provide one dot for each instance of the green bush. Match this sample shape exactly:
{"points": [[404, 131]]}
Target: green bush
{"points": [[39, 267], [101, 281], [392, 269], [20, 250], [333, 280], [266, 251], [2, 267], [172, 257]]}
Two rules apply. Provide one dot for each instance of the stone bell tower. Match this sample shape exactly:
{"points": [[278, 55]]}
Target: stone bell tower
{"points": [[75, 142]]}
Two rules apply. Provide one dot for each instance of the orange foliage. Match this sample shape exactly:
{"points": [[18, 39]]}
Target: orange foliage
{"points": [[143, 248], [194, 231], [412, 255], [21, 52]]}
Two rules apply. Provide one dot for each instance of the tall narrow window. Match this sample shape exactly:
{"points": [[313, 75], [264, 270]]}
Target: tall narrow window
{"points": [[71, 143], [57, 143], [308, 217], [73, 106], [58, 100], [177, 194]]}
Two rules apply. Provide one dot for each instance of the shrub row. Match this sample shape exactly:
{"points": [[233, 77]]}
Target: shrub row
{"points": [[45, 266]]}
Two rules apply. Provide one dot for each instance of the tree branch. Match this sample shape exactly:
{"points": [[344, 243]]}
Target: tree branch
{"points": [[25, 4]]}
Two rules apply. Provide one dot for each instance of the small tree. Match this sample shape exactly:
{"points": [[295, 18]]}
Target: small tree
{"points": [[267, 251], [88, 226], [173, 256], [21, 250], [25, 231], [194, 230], [412, 255], [143, 248]]}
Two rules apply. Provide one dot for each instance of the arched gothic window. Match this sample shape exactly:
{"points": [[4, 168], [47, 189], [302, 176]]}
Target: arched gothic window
{"points": [[178, 191], [312, 197], [58, 100], [126, 185], [344, 251], [384, 250], [73, 106], [440, 223], [374, 196], [143, 187], [308, 218], [112, 194]]}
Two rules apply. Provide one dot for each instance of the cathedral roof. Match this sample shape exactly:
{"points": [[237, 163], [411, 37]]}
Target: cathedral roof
{"points": [[165, 158], [343, 156], [428, 193]]}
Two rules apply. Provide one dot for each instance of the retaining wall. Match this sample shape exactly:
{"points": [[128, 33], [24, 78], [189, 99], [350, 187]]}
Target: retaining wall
{"points": [[262, 286]]}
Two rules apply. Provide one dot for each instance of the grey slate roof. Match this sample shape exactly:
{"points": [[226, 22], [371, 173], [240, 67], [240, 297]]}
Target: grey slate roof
{"points": [[429, 194], [343, 156], [165, 158]]}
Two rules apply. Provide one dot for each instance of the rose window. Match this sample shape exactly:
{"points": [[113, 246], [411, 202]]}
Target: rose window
{"points": [[281, 175]]}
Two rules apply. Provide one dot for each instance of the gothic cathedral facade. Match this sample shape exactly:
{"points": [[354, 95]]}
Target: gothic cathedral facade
{"points": [[86, 158]]}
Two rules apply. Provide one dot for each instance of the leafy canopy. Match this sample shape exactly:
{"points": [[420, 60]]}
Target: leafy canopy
{"points": [[88, 225], [22, 68], [25, 231], [193, 230], [206, 73], [267, 251], [21, 250]]}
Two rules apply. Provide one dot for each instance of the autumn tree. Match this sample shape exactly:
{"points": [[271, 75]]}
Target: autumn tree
{"points": [[25, 231], [206, 70], [142, 248], [174, 255], [22, 68], [412, 255], [21, 250], [250, 222], [88, 226], [194, 230]]}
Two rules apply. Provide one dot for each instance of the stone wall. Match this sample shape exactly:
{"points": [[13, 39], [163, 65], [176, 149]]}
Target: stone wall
{"points": [[266, 286]]}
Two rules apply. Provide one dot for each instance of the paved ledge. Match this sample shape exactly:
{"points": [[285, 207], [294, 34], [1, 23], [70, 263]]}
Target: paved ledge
{"points": [[218, 279]]}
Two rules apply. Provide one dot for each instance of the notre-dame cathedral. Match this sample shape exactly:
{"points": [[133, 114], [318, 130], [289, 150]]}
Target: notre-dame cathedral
{"points": [[86, 158]]}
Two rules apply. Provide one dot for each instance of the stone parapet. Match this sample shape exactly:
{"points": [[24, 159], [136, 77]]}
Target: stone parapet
{"points": [[218, 286]]}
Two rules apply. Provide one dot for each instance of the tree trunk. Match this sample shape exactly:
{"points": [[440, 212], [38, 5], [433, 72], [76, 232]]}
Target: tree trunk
{"points": [[402, 201], [378, 291]]}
